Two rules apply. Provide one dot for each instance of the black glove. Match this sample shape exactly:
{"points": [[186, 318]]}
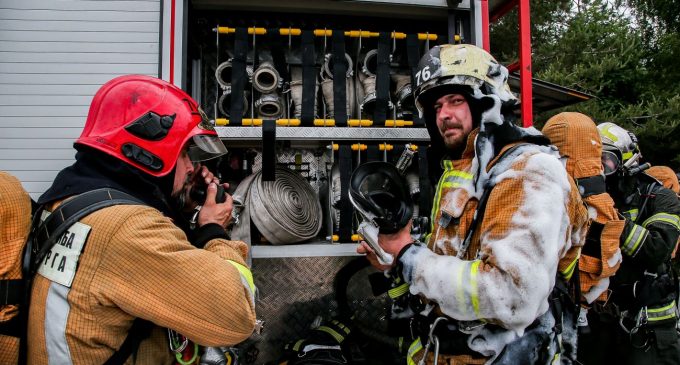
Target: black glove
{"points": [[652, 289]]}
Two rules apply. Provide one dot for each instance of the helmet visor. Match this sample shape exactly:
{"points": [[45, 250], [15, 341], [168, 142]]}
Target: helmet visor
{"points": [[611, 162], [204, 147]]}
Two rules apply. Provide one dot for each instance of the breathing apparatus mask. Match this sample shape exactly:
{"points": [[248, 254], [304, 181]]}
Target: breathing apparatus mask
{"points": [[381, 195]]}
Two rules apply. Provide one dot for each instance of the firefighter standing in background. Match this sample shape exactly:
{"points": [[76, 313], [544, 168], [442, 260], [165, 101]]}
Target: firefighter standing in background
{"points": [[644, 289], [488, 280], [143, 136], [15, 222]]}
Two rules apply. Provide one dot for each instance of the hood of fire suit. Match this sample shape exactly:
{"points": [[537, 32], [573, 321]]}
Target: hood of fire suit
{"points": [[575, 136], [666, 176], [94, 169]]}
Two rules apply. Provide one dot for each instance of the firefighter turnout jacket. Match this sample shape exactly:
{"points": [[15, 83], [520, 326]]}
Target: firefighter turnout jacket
{"points": [[130, 261], [533, 226]]}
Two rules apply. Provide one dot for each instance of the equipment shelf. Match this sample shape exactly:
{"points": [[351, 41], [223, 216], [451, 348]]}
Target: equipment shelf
{"points": [[327, 133], [315, 249]]}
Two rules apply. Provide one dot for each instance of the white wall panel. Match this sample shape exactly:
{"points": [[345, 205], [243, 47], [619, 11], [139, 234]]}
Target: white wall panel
{"points": [[54, 55]]}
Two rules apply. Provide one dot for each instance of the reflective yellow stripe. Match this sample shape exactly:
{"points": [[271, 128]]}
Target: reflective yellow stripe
{"points": [[398, 291], [632, 244], [633, 213], [659, 314], [245, 274], [569, 270], [608, 134], [445, 183], [474, 293], [297, 345], [671, 219], [412, 350], [338, 337], [451, 185], [627, 155]]}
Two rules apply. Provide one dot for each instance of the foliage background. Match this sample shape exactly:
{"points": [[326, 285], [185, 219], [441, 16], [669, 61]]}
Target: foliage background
{"points": [[625, 52]]}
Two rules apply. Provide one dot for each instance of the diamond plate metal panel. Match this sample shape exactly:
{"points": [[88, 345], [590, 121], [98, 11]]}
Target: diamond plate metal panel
{"points": [[295, 293], [328, 134]]}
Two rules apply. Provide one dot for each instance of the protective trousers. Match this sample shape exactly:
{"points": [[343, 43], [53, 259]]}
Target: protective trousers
{"points": [[605, 342]]}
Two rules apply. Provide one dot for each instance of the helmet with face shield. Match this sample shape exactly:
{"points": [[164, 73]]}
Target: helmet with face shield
{"points": [[147, 122], [620, 149], [459, 68]]}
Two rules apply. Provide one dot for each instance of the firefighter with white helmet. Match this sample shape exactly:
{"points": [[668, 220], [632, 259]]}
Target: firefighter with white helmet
{"points": [[127, 270], [506, 219], [638, 324]]}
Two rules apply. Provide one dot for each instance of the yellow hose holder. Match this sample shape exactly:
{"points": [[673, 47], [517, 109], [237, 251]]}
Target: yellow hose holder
{"points": [[359, 147], [221, 121], [290, 31], [413, 147], [356, 237], [385, 147], [288, 122], [251, 122], [359, 123], [398, 123], [324, 122], [251, 30], [333, 146]]}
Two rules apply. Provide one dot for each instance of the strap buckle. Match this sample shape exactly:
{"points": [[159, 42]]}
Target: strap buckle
{"points": [[177, 342], [194, 217], [432, 339]]}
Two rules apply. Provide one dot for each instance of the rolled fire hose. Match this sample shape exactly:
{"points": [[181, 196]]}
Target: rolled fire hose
{"points": [[336, 194], [269, 106], [224, 103], [327, 91], [327, 71], [223, 73], [284, 211], [368, 103], [404, 95], [369, 65], [266, 79], [296, 92]]}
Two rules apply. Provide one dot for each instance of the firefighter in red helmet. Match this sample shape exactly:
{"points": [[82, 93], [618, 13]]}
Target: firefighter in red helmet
{"points": [[125, 270]]}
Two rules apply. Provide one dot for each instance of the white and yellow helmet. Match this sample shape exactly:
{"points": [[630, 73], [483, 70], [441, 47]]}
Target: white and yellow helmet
{"points": [[446, 66], [619, 147]]}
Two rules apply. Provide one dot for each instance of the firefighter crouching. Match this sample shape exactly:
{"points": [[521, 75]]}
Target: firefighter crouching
{"points": [[638, 323], [506, 216], [131, 269]]}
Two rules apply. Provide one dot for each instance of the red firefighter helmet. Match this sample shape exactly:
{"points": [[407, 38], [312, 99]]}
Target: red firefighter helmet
{"points": [[146, 122]]}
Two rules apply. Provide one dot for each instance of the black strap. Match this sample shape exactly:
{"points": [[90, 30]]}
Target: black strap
{"points": [[308, 78], [345, 166], [139, 330], [592, 185], [339, 80], [373, 153], [238, 75], [269, 150], [382, 80], [413, 55], [275, 42], [10, 291], [425, 200], [481, 206], [71, 212]]}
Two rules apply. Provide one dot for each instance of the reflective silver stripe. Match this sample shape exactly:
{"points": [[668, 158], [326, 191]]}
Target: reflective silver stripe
{"points": [[659, 314], [56, 315], [671, 219], [634, 241]]}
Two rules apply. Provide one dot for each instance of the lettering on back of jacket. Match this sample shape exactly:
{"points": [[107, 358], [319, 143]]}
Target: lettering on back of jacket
{"points": [[61, 261]]}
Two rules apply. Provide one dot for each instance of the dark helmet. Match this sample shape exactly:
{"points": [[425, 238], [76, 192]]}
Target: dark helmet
{"points": [[378, 188], [146, 122], [453, 68]]}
